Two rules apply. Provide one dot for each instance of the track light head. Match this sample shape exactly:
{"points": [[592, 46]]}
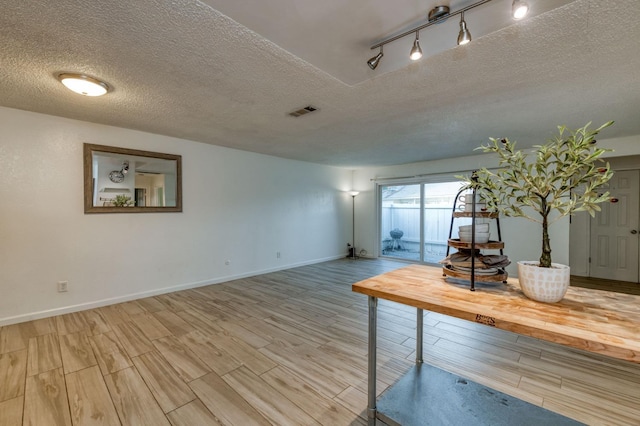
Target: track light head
{"points": [[373, 62], [519, 9], [416, 50], [464, 36]]}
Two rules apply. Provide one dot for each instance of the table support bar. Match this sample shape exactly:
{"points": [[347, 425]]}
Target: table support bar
{"points": [[373, 324], [419, 334]]}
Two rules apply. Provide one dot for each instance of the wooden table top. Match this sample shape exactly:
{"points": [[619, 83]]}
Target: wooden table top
{"points": [[593, 320]]}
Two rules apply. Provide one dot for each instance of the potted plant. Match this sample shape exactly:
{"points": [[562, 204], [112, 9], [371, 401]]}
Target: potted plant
{"points": [[121, 200], [563, 178]]}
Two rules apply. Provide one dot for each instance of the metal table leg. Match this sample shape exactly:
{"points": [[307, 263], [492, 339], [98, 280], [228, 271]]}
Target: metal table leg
{"points": [[419, 325], [373, 319]]}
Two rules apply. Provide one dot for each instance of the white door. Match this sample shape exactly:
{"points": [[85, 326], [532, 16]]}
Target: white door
{"points": [[614, 231]]}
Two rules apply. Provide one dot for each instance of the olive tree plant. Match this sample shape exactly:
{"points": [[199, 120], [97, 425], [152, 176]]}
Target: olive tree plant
{"points": [[121, 200], [563, 178]]}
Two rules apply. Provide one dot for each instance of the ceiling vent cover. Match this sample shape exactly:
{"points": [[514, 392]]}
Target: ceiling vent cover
{"points": [[303, 111]]}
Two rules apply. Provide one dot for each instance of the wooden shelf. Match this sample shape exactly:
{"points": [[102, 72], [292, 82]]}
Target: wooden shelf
{"points": [[491, 245], [472, 275], [488, 215], [501, 276]]}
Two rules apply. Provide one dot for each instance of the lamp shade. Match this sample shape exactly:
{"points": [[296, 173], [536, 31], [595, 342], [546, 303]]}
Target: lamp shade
{"points": [[519, 9], [373, 62], [464, 36], [416, 50]]}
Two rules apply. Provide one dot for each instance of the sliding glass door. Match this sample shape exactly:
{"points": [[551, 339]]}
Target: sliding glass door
{"points": [[400, 229], [415, 220]]}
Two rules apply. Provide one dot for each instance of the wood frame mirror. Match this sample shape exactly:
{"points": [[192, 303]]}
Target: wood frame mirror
{"points": [[122, 180]]}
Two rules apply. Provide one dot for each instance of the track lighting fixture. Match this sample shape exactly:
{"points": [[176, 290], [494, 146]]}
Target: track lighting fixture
{"points": [[373, 62], [464, 36], [416, 50], [519, 9], [440, 14]]}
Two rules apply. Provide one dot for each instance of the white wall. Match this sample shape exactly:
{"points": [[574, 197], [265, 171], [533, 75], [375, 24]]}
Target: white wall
{"points": [[237, 206], [579, 244]]}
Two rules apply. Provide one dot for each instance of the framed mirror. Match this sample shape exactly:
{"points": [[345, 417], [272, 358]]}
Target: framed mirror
{"points": [[121, 180]]}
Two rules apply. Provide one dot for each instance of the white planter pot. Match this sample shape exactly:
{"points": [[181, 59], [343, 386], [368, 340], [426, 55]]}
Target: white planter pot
{"points": [[543, 284]]}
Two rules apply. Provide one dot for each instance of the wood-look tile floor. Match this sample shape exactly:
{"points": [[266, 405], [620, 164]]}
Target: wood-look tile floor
{"points": [[606, 285], [285, 348]]}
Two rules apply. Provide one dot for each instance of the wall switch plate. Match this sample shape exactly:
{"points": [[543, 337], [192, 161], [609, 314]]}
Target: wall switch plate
{"points": [[63, 286]]}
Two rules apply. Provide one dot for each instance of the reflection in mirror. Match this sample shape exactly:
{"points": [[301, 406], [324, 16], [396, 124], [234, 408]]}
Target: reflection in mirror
{"points": [[120, 180]]}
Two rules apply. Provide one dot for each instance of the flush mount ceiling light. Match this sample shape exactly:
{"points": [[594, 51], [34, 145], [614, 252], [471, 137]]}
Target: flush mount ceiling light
{"points": [[83, 84], [440, 14]]}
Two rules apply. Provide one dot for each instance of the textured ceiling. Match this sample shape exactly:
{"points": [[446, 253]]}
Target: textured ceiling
{"points": [[336, 35], [184, 69]]}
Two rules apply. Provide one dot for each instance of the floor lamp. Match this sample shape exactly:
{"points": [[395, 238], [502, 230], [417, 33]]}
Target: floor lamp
{"points": [[353, 223]]}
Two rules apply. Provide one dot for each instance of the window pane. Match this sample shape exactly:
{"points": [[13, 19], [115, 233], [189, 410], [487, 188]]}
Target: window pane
{"points": [[438, 205], [400, 221]]}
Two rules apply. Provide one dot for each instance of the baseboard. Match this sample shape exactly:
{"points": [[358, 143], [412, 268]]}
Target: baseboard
{"points": [[134, 296]]}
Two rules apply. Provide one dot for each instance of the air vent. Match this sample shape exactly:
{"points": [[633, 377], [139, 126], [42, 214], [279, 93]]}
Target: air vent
{"points": [[303, 111]]}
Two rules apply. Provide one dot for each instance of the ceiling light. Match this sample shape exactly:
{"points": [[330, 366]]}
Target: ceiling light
{"points": [[464, 36], [519, 9], [83, 84], [373, 62], [437, 15], [416, 51]]}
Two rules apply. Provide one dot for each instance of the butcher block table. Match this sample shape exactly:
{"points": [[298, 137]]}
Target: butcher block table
{"points": [[597, 321]]}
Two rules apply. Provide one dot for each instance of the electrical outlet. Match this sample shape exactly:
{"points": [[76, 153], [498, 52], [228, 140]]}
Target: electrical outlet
{"points": [[277, 255], [63, 286]]}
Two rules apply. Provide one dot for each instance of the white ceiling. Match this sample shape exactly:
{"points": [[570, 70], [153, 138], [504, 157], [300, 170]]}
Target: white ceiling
{"points": [[228, 73]]}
